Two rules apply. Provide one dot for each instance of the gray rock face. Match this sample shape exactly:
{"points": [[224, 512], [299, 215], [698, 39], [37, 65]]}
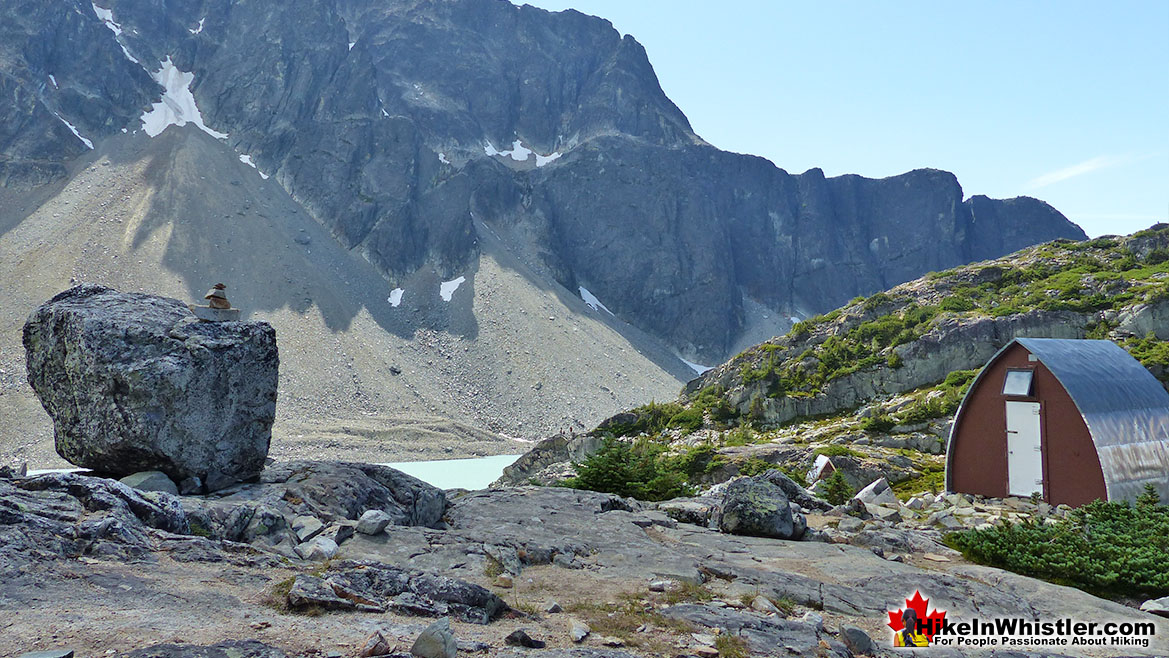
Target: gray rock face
{"points": [[293, 497], [67, 515], [763, 633], [406, 144], [755, 507], [375, 587], [134, 383], [553, 453]]}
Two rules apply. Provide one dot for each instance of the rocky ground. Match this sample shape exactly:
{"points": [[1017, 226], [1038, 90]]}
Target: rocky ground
{"points": [[316, 557]]}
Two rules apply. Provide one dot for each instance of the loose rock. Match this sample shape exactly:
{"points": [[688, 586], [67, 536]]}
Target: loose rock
{"points": [[856, 640], [376, 645], [578, 630], [519, 638], [437, 641], [373, 522]]}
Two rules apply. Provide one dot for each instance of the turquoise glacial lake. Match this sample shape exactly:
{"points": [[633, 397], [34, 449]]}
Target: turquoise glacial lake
{"points": [[475, 473]]}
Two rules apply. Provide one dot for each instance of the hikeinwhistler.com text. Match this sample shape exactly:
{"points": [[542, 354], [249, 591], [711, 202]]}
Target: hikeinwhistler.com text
{"points": [[1018, 632]]}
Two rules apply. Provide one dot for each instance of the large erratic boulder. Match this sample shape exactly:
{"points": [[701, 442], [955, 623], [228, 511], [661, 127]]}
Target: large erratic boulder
{"points": [[134, 382], [757, 507]]}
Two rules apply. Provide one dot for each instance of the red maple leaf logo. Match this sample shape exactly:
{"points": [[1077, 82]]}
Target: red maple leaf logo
{"points": [[930, 623]]}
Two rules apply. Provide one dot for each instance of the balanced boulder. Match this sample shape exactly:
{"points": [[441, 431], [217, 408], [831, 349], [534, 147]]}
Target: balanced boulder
{"points": [[134, 382]]}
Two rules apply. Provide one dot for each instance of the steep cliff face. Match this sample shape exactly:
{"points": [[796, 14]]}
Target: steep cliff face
{"points": [[397, 125]]}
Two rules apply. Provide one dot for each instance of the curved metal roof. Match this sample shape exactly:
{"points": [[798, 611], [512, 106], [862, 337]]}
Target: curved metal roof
{"points": [[1125, 408]]}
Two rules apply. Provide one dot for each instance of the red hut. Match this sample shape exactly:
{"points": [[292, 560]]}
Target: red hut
{"points": [[1074, 420]]}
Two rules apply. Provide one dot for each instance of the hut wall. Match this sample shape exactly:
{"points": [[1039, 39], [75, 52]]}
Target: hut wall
{"points": [[1071, 468]]}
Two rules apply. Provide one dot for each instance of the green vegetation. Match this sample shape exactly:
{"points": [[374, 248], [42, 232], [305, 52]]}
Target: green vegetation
{"points": [[932, 481], [1084, 277], [1152, 353], [837, 490], [640, 469], [1104, 548], [866, 345], [644, 469], [836, 450], [625, 620], [731, 646], [740, 436], [755, 466], [878, 423]]}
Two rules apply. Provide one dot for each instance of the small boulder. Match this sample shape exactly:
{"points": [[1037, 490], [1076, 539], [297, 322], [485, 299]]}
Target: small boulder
{"points": [[519, 638], [813, 619], [376, 645], [320, 548], [856, 640], [150, 481], [437, 641], [850, 524], [578, 630], [763, 604], [552, 607], [877, 493], [307, 527], [373, 522]]}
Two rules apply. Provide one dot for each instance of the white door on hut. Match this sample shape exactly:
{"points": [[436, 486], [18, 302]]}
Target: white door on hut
{"points": [[1024, 453]]}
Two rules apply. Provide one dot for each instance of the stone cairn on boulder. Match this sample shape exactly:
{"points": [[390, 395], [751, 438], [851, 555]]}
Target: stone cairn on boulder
{"points": [[134, 383], [218, 309]]}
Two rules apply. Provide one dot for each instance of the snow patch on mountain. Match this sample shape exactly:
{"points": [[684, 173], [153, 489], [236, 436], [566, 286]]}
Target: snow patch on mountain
{"points": [[696, 367], [88, 144], [177, 106], [107, 16], [591, 299], [520, 153], [447, 289]]}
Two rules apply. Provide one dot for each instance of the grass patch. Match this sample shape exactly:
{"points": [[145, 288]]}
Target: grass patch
{"points": [[621, 620], [276, 596], [731, 646]]}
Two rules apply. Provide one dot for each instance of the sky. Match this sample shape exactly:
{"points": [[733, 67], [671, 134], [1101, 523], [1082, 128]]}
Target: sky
{"points": [[1063, 100]]}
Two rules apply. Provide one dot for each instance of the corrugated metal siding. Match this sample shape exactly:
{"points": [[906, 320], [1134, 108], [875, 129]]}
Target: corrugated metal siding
{"points": [[1125, 407]]}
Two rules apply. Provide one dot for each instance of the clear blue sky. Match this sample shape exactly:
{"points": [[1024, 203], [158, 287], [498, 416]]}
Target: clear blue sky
{"points": [[1064, 100]]}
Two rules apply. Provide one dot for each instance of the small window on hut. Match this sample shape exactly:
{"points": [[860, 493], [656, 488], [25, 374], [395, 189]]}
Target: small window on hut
{"points": [[1018, 382]]}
